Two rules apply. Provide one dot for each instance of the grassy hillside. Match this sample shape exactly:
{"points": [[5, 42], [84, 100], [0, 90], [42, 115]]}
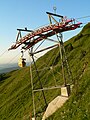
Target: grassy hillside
{"points": [[78, 106], [15, 87]]}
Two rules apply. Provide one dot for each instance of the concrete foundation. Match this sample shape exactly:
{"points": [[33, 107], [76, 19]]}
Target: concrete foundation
{"points": [[65, 91]]}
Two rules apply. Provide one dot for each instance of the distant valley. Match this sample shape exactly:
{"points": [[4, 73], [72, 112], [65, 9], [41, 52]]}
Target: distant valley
{"points": [[4, 68]]}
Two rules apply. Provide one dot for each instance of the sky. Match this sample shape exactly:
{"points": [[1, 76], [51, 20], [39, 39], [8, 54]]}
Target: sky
{"points": [[32, 14]]}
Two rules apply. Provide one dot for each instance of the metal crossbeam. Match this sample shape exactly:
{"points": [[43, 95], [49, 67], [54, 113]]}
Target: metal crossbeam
{"points": [[54, 14], [46, 49], [25, 30], [50, 88]]}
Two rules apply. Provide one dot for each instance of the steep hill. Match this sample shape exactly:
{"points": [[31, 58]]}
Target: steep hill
{"points": [[15, 87]]}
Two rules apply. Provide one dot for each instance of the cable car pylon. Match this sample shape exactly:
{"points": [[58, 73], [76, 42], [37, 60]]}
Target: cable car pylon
{"points": [[35, 37]]}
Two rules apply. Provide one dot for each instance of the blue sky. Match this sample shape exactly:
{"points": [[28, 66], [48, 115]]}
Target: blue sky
{"points": [[32, 14]]}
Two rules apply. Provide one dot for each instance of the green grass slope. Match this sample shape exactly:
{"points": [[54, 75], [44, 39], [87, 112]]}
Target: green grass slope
{"points": [[15, 87], [78, 106]]}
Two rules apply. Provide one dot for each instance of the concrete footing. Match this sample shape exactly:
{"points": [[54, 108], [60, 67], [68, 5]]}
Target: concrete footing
{"points": [[65, 91]]}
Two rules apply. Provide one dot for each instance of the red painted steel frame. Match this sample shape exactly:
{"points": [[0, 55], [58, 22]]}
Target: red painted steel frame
{"points": [[44, 33]]}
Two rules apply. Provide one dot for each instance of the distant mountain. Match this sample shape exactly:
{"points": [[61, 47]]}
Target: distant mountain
{"points": [[4, 68]]}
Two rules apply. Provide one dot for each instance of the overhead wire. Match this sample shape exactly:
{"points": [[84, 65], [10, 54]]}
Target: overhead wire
{"points": [[39, 45], [13, 58], [3, 53], [83, 17]]}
